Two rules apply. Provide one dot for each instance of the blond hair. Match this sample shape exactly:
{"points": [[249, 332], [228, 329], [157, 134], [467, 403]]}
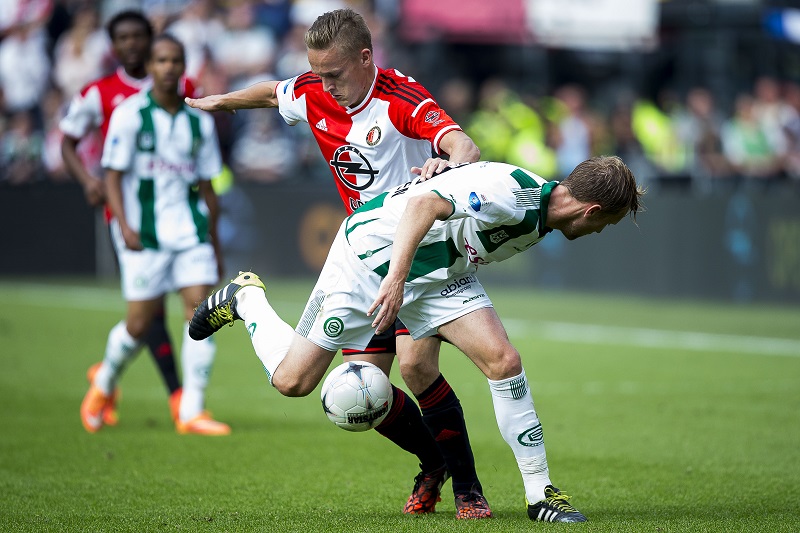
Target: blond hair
{"points": [[343, 28], [606, 180]]}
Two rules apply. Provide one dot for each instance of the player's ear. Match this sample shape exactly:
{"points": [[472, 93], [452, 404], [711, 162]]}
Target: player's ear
{"points": [[366, 56], [592, 209]]}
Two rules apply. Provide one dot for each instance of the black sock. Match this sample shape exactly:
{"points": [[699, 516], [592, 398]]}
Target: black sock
{"points": [[444, 418], [161, 348], [403, 426]]}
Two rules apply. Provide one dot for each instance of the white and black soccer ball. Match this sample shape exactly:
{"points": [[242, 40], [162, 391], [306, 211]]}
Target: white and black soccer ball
{"points": [[356, 396]]}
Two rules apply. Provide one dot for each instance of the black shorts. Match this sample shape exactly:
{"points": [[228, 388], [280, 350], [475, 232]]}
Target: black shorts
{"points": [[384, 342]]}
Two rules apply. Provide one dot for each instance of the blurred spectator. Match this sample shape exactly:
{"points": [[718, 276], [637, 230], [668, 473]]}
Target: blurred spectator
{"points": [[457, 97], [293, 58], [275, 15], [81, 53], [572, 133], [747, 146], [263, 152], [792, 164], [655, 130], [24, 68], [245, 51], [305, 12], [197, 27], [488, 125], [21, 150], [162, 12], [698, 127], [17, 13], [626, 144], [772, 113], [53, 107]]}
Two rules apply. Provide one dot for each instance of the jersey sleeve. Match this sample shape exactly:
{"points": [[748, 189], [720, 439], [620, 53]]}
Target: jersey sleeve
{"points": [[291, 95], [416, 114], [120, 144], [85, 113], [209, 160], [188, 87]]}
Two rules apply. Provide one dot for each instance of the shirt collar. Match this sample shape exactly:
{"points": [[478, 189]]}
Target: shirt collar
{"points": [[544, 202]]}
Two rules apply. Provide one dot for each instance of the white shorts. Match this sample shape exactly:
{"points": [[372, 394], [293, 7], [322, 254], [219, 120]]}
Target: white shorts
{"points": [[149, 274], [335, 316]]}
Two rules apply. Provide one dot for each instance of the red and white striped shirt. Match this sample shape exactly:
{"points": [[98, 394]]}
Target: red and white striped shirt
{"points": [[91, 108], [371, 147]]}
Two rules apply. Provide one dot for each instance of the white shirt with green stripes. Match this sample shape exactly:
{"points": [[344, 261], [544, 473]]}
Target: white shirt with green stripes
{"points": [[499, 210], [162, 157]]}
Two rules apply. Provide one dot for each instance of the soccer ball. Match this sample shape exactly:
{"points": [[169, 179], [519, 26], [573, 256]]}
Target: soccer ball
{"points": [[356, 396]]}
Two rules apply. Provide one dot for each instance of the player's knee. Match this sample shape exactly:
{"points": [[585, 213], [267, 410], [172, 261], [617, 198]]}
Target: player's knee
{"points": [[291, 386], [418, 374], [505, 362], [137, 328]]}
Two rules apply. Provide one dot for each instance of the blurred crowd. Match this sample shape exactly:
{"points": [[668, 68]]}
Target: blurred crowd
{"points": [[49, 49]]}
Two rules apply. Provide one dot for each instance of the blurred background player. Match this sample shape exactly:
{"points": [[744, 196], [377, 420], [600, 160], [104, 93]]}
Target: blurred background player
{"points": [[159, 157], [87, 120], [373, 126]]}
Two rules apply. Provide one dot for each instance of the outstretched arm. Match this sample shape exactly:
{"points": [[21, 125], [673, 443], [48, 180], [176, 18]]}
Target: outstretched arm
{"points": [[417, 220], [458, 145], [256, 96]]}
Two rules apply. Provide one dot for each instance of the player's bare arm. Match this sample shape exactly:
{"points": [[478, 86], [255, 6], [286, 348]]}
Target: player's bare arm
{"points": [[114, 194], [93, 187], [458, 145], [259, 95], [419, 216]]}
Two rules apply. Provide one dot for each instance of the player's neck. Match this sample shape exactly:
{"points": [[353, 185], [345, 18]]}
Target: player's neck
{"points": [[138, 72], [562, 208], [367, 88], [170, 101]]}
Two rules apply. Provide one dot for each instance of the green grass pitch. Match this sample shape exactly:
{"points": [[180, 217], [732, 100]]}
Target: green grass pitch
{"points": [[659, 416]]}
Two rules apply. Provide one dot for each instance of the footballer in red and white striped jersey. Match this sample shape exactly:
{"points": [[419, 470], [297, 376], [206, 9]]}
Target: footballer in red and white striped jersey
{"points": [[370, 147], [92, 107]]}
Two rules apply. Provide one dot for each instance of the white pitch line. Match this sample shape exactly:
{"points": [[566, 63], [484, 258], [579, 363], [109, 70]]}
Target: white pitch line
{"points": [[652, 338], [108, 299]]}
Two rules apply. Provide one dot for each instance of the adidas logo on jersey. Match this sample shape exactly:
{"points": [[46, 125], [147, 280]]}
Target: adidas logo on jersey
{"points": [[322, 126]]}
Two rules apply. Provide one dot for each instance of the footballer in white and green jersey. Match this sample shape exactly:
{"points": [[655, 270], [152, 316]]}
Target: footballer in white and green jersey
{"points": [[499, 210], [162, 157]]}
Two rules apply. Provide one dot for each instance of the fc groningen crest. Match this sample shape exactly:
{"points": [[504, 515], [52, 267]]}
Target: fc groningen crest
{"points": [[333, 327]]}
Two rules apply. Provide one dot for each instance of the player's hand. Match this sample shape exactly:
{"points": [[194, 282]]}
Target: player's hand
{"points": [[433, 166], [95, 192], [212, 102], [132, 239], [389, 299]]}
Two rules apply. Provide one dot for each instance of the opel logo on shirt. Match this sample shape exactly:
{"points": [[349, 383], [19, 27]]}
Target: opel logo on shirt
{"points": [[352, 168]]}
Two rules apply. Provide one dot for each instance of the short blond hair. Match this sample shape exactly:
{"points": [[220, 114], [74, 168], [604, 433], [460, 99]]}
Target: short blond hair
{"points": [[343, 28], [606, 180]]}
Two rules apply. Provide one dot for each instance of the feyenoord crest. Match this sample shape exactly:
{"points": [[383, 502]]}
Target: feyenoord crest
{"points": [[374, 136]]}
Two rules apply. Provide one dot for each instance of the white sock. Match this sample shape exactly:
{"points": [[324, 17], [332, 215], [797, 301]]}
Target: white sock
{"points": [[197, 357], [120, 348], [520, 427], [270, 335]]}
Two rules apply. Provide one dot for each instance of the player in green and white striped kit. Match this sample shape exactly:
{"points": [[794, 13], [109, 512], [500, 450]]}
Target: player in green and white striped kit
{"points": [[159, 157], [414, 252]]}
